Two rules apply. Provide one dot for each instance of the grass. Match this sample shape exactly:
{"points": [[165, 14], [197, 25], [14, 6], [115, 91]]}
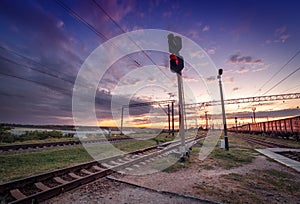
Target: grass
{"points": [[270, 179], [232, 158], [132, 145], [40, 141], [225, 195], [259, 186], [16, 166]]}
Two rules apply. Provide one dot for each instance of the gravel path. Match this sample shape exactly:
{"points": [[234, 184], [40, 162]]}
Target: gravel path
{"points": [[105, 191]]}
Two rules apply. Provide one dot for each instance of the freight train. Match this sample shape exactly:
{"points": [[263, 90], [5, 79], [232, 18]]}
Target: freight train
{"points": [[285, 128]]}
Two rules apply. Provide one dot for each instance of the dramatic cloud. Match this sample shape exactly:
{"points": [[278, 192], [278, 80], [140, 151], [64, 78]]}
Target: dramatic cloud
{"points": [[244, 64], [211, 51], [238, 59], [280, 36], [235, 89], [211, 79], [242, 70], [206, 28], [228, 80]]}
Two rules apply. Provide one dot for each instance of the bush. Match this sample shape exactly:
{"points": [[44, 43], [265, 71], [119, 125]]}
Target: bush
{"points": [[7, 137]]}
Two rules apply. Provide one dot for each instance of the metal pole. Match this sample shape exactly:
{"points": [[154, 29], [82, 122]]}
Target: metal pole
{"points": [[223, 112], [206, 121], [236, 128], [253, 109], [181, 114], [173, 125], [122, 120], [169, 119]]}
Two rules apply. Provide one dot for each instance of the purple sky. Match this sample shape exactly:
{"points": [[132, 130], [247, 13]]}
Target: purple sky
{"points": [[42, 48]]}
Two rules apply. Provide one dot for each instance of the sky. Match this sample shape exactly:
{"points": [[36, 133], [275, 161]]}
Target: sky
{"points": [[43, 45]]}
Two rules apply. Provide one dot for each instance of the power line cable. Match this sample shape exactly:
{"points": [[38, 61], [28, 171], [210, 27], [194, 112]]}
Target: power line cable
{"points": [[37, 70], [82, 20], [282, 80], [278, 71], [275, 74], [118, 25], [92, 28], [55, 88]]}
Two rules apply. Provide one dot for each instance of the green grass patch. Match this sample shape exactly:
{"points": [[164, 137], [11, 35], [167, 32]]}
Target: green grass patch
{"points": [[16, 166], [270, 179], [163, 137], [132, 145], [232, 158], [40, 141]]}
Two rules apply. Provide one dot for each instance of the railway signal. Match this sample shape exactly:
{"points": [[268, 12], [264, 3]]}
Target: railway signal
{"points": [[177, 65], [176, 61]]}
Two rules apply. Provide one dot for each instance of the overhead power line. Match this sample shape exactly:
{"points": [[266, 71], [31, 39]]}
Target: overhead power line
{"points": [[36, 70], [279, 70], [282, 80], [101, 35], [119, 26], [89, 26]]}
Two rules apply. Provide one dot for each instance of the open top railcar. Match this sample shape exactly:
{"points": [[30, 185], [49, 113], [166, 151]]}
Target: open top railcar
{"points": [[286, 128]]}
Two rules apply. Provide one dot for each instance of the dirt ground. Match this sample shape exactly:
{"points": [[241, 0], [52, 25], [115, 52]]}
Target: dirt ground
{"points": [[259, 181], [237, 185]]}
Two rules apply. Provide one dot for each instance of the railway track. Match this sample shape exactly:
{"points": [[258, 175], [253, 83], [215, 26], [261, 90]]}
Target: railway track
{"points": [[44, 186], [267, 144], [19, 148]]}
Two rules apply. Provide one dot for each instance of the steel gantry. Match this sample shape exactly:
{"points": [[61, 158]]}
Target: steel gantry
{"points": [[278, 97]]}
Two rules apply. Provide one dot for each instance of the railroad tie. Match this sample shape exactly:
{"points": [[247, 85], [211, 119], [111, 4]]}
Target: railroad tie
{"points": [[97, 168], [86, 172], [106, 165], [41, 186], [121, 172], [75, 176], [127, 158], [114, 163], [60, 180], [17, 194], [136, 165], [121, 161], [128, 169]]}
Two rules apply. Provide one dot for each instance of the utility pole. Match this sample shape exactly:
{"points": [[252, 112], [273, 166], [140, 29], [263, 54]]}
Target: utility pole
{"points": [[253, 109], [236, 129], [169, 119], [181, 113], [122, 120], [206, 121], [173, 121], [223, 110]]}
